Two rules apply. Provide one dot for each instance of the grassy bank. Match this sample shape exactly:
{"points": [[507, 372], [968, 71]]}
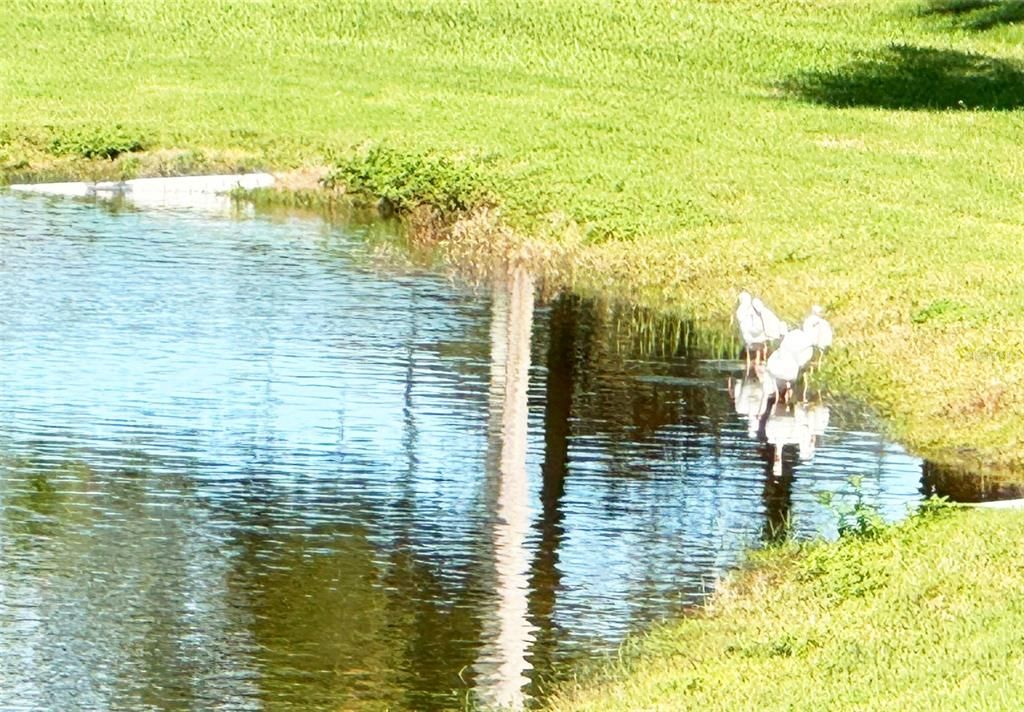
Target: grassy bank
{"points": [[863, 155], [927, 616]]}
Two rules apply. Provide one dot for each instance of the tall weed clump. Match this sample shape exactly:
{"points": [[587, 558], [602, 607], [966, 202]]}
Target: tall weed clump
{"points": [[97, 142], [404, 181]]}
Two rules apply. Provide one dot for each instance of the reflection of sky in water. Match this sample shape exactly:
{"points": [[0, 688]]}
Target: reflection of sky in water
{"points": [[264, 463]]}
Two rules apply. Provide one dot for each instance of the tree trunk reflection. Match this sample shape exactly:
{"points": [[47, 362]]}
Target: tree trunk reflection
{"points": [[502, 664]]}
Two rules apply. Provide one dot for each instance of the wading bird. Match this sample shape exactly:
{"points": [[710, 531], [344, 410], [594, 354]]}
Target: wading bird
{"points": [[774, 327], [781, 371], [751, 327], [758, 326], [798, 343], [818, 329]]}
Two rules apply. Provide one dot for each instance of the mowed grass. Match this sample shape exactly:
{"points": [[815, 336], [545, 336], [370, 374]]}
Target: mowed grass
{"points": [[863, 155], [929, 616]]}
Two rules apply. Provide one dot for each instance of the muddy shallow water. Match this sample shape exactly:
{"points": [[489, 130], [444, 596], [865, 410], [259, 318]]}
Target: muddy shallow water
{"points": [[243, 466]]}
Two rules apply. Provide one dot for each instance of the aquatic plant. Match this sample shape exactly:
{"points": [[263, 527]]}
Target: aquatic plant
{"points": [[860, 518]]}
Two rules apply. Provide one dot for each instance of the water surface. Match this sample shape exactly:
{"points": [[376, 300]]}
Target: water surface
{"points": [[244, 466]]}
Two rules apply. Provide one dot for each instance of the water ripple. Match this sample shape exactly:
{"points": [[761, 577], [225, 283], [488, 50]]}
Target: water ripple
{"points": [[242, 468]]}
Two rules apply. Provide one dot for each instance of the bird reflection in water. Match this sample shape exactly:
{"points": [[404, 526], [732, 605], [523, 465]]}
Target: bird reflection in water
{"points": [[773, 421], [789, 432], [800, 424]]}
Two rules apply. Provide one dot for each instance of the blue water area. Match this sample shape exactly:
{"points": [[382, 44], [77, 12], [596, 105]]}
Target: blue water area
{"points": [[247, 463]]}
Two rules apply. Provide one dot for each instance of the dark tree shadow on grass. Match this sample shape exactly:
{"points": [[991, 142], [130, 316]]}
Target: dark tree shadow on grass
{"points": [[977, 14], [921, 78]]}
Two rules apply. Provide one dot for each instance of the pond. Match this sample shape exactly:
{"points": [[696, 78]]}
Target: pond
{"points": [[246, 464]]}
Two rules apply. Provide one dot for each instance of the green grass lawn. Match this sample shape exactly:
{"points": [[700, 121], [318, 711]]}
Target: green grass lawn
{"points": [[929, 616], [859, 154]]}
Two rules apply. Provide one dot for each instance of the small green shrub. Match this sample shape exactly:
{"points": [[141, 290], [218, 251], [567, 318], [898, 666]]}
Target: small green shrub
{"points": [[860, 519], [939, 310], [106, 142], [406, 180]]}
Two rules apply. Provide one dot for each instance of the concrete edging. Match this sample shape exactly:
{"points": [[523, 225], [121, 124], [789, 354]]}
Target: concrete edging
{"points": [[178, 191]]}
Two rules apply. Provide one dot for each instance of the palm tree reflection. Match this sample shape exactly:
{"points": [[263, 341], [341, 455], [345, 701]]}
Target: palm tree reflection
{"points": [[507, 636], [565, 340]]}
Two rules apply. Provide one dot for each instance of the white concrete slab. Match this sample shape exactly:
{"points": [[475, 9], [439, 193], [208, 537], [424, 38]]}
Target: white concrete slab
{"points": [[200, 192], [200, 184], [999, 504], [71, 190]]}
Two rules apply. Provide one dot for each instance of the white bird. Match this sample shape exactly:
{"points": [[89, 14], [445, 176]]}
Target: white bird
{"points": [[781, 371], [818, 329], [798, 343], [751, 325], [774, 327]]}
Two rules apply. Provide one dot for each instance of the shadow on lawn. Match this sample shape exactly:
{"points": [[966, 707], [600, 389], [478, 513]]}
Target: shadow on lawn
{"points": [[922, 78], [977, 14]]}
